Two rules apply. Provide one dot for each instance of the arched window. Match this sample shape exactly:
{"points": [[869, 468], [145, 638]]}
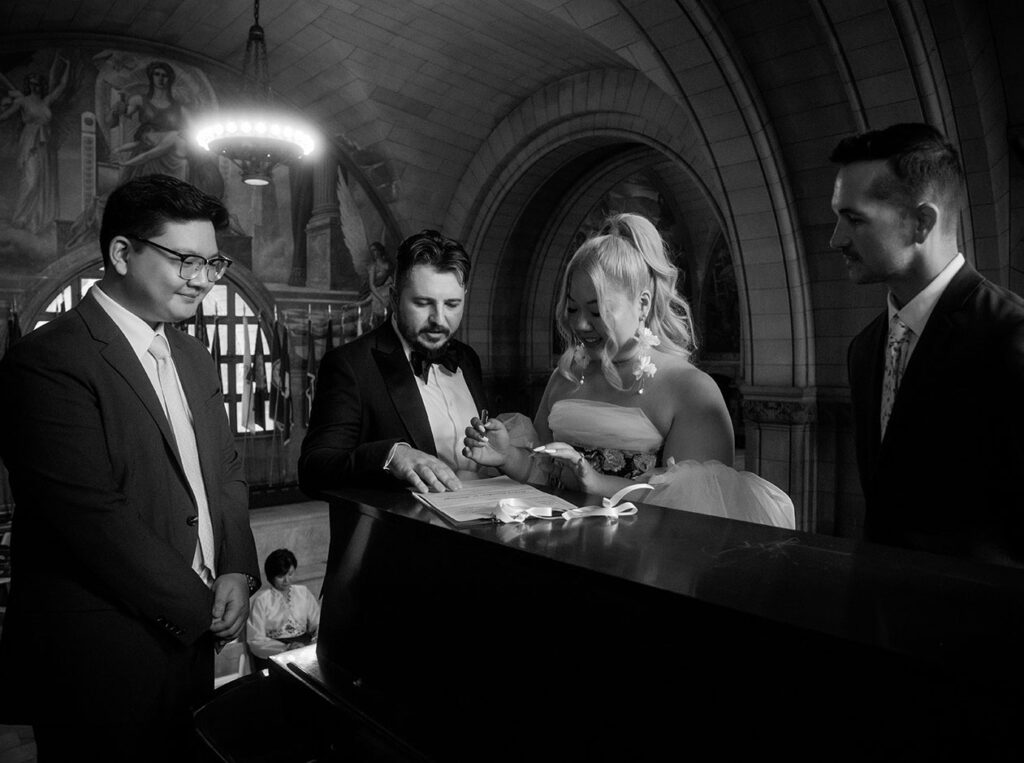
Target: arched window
{"points": [[229, 309]]}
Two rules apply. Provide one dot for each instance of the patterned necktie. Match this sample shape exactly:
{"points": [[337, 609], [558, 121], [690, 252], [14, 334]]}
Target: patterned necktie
{"points": [[895, 350], [185, 438]]}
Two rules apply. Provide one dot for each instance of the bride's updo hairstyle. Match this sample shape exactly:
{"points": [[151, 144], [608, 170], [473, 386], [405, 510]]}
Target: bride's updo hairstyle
{"points": [[628, 255]]}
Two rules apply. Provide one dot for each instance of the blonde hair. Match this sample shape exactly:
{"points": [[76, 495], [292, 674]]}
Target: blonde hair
{"points": [[628, 254]]}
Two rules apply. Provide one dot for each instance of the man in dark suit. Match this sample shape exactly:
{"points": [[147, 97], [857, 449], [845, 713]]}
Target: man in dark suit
{"points": [[937, 380], [391, 407], [132, 557]]}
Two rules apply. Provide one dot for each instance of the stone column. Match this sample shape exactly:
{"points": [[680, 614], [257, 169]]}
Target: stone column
{"points": [[328, 264], [780, 444], [840, 500]]}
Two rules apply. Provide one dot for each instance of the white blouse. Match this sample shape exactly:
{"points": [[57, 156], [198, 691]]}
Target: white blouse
{"points": [[275, 615]]}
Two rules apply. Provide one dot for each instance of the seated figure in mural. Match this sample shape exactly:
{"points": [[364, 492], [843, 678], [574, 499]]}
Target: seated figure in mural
{"points": [[159, 145], [36, 205], [282, 615], [625, 405]]}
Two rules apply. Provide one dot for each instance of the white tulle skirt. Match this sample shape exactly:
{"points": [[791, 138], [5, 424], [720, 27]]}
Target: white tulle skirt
{"points": [[713, 488], [708, 487]]}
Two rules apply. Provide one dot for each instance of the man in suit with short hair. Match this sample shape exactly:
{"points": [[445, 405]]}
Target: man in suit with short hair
{"points": [[391, 407], [937, 380], [132, 557]]}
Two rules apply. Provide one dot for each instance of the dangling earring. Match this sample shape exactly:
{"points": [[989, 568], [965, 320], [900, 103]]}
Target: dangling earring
{"points": [[581, 359], [643, 368]]}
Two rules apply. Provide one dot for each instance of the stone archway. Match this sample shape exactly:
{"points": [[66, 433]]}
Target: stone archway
{"points": [[578, 125]]}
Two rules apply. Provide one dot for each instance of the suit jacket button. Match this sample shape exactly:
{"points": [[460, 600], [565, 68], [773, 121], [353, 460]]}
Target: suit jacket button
{"points": [[192, 521]]}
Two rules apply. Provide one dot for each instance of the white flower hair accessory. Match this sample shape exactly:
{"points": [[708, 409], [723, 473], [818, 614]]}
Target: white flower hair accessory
{"points": [[644, 368]]}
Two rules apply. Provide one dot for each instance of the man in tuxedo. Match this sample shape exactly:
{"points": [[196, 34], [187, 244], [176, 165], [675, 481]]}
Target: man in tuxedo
{"points": [[936, 380], [132, 557], [391, 407]]}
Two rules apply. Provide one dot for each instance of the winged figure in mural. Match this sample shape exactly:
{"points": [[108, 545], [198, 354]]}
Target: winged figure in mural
{"points": [[353, 230], [36, 204]]}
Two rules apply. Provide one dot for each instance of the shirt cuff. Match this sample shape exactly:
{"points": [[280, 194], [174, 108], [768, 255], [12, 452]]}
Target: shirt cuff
{"points": [[391, 454]]}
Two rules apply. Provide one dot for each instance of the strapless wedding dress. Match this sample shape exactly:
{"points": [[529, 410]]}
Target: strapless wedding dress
{"points": [[622, 441]]}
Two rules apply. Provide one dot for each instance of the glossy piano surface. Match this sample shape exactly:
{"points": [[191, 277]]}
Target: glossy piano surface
{"points": [[603, 638]]}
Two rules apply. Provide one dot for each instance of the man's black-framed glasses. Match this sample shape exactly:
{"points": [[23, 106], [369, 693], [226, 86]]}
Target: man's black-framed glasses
{"points": [[192, 264]]}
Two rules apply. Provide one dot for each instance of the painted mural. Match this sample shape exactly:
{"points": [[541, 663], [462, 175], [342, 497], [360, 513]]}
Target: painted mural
{"points": [[76, 121]]}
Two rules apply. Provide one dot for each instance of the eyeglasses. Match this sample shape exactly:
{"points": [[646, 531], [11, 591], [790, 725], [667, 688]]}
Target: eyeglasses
{"points": [[192, 264]]}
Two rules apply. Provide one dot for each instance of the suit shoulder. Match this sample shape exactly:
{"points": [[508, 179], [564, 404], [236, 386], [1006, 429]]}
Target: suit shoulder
{"points": [[52, 341], [998, 303], [864, 338], [358, 347], [467, 351]]}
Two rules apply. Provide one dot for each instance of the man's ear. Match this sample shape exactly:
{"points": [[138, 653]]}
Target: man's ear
{"points": [[926, 216], [118, 250]]}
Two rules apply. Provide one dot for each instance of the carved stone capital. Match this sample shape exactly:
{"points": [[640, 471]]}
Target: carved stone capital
{"points": [[787, 412]]}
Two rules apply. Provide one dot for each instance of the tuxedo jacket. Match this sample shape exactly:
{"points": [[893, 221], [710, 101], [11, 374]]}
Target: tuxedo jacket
{"points": [[366, 400], [949, 475], [106, 619]]}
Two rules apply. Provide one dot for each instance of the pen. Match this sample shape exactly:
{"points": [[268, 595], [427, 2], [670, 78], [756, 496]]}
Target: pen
{"points": [[484, 418]]}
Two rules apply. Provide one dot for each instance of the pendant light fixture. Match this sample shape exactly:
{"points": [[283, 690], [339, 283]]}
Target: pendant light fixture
{"points": [[258, 138]]}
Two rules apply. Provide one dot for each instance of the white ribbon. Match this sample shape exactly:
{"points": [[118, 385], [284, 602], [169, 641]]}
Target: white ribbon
{"points": [[517, 510]]}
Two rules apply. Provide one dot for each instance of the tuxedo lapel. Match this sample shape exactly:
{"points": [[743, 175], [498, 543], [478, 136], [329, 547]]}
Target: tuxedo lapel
{"points": [[401, 386], [472, 377]]}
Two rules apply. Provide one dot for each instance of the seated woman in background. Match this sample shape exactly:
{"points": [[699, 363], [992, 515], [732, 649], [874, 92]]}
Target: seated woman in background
{"points": [[282, 617], [625, 405]]}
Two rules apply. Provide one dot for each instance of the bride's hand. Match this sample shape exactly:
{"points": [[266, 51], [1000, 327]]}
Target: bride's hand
{"points": [[487, 444], [573, 461]]}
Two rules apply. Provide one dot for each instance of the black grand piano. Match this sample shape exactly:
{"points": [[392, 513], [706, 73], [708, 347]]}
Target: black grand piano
{"points": [[666, 635]]}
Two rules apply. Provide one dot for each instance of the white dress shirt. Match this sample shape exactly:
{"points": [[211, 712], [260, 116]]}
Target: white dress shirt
{"points": [[450, 407], [275, 615]]}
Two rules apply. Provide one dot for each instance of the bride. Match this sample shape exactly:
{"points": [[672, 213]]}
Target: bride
{"points": [[625, 405]]}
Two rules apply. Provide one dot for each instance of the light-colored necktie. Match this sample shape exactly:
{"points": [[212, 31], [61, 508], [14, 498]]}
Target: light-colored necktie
{"points": [[895, 350], [185, 438]]}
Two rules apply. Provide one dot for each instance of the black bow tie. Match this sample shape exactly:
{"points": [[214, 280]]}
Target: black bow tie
{"points": [[448, 357]]}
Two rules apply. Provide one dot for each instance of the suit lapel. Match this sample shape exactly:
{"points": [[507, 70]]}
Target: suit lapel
{"points": [[934, 344], [401, 386], [120, 356], [874, 370]]}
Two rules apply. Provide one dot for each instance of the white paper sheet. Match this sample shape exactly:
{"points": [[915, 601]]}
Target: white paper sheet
{"points": [[478, 499]]}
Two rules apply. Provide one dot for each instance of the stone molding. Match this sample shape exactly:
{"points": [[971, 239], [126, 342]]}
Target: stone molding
{"points": [[787, 412]]}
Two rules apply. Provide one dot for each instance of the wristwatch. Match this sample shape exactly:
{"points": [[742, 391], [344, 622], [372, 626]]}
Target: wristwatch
{"points": [[253, 583]]}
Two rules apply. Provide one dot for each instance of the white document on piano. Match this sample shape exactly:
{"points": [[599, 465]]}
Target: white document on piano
{"points": [[478, 499]]}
